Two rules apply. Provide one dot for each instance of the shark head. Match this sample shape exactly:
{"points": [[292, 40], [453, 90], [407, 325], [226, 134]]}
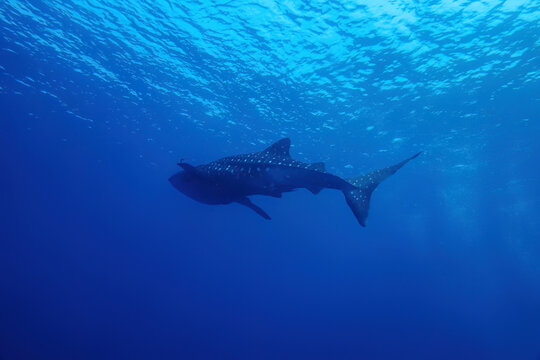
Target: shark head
{"points": [[186, 181], [193, 184]]}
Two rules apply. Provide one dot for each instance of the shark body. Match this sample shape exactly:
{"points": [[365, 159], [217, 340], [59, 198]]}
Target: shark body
{"points": [[272, 172]]}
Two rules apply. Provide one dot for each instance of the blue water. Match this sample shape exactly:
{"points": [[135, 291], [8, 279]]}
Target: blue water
{"points": [[100, 258]]}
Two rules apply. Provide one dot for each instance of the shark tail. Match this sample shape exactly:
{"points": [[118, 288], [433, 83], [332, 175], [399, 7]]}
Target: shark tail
{"points": [[358, 199]]}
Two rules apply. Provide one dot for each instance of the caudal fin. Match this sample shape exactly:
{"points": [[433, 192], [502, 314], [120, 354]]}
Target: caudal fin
{"points": [[358, 199]]}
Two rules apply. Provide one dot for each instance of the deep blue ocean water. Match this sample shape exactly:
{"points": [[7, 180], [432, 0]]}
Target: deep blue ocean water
{"points": [[100, 258]]}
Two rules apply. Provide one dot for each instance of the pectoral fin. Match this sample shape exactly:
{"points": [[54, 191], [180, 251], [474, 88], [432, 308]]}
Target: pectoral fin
{"points": [[246, 202]]}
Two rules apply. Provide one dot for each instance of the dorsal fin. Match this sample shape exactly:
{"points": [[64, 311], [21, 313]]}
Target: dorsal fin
{"points": [[318, 166], [280, 147]]}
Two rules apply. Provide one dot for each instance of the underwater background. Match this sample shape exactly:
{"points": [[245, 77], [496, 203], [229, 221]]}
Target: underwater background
{"points": [[101, 258]]}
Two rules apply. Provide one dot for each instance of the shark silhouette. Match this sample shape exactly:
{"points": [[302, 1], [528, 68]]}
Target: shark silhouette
{"points": [[272, 172]]}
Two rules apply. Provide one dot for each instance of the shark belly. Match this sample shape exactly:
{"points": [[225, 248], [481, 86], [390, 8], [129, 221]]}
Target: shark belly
{"points": [[274, 180], [312, 180]]}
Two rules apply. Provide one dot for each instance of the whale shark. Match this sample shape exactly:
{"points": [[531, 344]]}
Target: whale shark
{"points": [[272, 172]]}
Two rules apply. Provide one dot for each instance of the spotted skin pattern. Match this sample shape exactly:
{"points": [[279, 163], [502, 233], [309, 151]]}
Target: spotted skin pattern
{"points": [[270, 172]]}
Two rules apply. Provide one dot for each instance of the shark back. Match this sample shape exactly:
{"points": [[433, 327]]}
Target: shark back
{"points": [[271, 172]]}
